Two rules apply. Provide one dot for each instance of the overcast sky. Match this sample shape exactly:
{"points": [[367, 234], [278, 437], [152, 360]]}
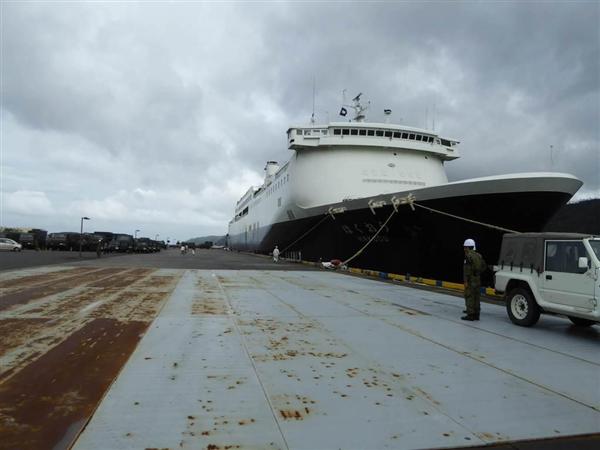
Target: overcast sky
{"points": [[158, 116]]}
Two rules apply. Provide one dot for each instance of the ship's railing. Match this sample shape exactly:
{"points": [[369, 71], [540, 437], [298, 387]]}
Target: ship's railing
{"points": [[295, 256]]}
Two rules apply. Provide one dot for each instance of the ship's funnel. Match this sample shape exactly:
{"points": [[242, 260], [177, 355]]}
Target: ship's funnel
{"points": [[271, 168]]}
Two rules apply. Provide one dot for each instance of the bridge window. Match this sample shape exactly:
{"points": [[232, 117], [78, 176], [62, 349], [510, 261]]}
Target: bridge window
{"points": [[371, 132], [419, 137], [379, 132], [411, 136], [337, 132], [345, 132], [404, 135], [354, 132], [362, 132], [397, 134]]}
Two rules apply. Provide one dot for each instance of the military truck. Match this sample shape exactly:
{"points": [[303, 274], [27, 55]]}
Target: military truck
{"points": [[105, 238], [556, 273], [63, 241], [33, 238], [143, 245], [122, 243]]}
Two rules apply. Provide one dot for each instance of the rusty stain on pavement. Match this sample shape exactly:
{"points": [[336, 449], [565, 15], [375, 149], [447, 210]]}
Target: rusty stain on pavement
{"points": [[65, 336]]}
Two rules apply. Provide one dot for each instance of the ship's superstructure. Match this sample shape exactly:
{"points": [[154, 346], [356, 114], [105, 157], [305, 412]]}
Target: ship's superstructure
{"points": [[351, 166]]}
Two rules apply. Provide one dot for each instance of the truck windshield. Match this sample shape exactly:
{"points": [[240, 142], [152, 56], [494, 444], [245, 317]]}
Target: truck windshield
{"points": [[595, 244]]}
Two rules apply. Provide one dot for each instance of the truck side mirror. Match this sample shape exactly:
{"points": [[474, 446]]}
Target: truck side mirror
{"points": [[582, 264]]}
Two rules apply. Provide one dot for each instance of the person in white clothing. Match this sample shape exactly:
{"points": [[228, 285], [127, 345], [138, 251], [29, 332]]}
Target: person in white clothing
{"points": [[275, 254]]}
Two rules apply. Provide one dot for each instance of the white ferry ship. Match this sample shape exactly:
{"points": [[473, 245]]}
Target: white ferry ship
{"points": [[344, 179]]}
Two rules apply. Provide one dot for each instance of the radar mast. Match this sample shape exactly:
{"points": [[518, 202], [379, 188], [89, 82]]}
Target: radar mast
{"points": [[359, 109]]}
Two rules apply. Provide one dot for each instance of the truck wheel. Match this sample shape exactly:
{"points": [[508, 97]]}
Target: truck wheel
{"points": [[581, 322], [522, 308]]}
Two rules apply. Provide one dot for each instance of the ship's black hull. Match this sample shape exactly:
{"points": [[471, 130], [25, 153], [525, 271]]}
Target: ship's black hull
{"points": [[419, 242]]}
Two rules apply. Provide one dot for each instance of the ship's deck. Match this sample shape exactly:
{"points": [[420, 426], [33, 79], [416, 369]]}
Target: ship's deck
{"points": [[277, 359]]}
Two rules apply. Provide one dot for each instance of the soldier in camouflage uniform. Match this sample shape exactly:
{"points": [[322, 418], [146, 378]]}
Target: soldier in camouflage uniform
{"points": [[474, 265]]}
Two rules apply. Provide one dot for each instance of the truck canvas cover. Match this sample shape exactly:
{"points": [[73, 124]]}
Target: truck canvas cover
{"points": [[525, 251]]}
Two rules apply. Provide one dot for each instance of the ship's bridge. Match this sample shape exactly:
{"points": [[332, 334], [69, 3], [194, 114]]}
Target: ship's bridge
{"points": [[383, 135]]}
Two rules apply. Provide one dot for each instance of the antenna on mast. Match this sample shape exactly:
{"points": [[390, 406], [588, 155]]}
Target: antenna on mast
{"points": [[356, 106], [312, 117]]}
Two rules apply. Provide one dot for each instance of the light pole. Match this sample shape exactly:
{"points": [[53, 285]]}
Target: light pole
{"points": [[135, 234], [156, 237], [81, 234]]}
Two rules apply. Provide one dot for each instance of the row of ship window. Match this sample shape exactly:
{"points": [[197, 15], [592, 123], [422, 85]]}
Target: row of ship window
{"points": [[373, 132], [278, 184], [272, 188], [383, 133]]}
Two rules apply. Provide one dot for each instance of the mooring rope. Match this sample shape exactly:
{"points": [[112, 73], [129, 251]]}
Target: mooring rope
{"points": [[409, 200], [370, 240], [465, 219], [315, 226]]}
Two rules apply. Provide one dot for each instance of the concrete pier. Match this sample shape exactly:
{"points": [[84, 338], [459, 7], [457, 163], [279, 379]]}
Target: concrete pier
{"points": [[129, 358]]}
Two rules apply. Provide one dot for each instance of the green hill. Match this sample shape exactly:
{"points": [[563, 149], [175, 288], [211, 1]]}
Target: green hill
{"points": [[216, 240], [580, 217]]}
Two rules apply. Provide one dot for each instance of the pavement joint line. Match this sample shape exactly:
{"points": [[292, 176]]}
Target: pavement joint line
{"points": [[473, 357], [247, 351], [482, 329], [473, 326], [117, 376], [415, 392], [468, 355]]}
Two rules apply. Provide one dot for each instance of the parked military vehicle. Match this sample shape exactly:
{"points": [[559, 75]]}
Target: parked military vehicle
{"points": [[122, 243], [554, 273], [32, 238], [143, 245], [63, 241], [90, 242], [105, 237]]}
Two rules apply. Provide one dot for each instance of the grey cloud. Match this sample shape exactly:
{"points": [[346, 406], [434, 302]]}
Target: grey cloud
{"points": [[185, 96]]}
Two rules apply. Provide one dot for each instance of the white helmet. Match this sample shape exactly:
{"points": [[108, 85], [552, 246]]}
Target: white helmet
{"points": [[469, 243]]}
